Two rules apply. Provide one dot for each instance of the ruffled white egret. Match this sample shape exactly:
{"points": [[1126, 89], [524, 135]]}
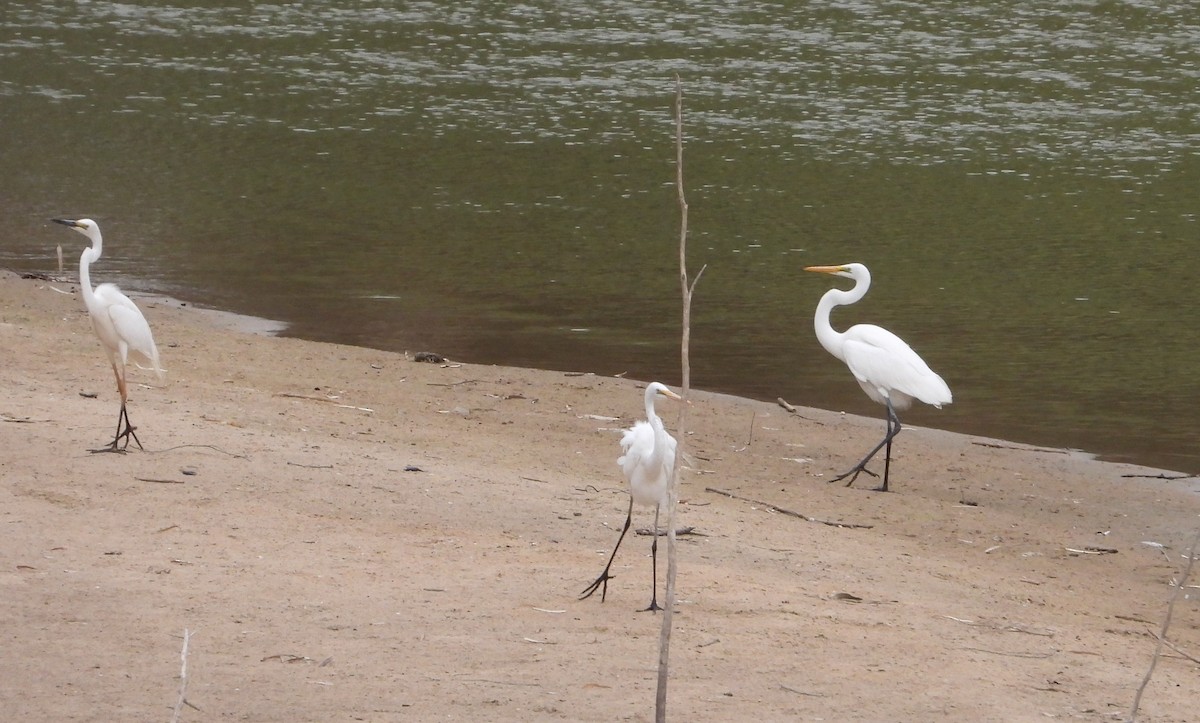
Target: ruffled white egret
{"points": [[887, 369], [648, 460], [118, 322]]}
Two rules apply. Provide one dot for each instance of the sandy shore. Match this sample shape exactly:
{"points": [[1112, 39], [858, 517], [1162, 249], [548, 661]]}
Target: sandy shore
{"points": [[351, 535]]}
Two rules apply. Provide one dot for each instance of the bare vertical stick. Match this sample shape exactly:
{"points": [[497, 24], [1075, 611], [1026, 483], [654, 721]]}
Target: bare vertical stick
{"points": [[664, 640], [1162, 634], [187, 636]]}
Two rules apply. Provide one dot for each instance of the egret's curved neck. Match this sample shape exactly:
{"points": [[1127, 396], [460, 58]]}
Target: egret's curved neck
{"points": [[651, 416], [85, 276], [829, 337], [97, 242], [660, 432]]}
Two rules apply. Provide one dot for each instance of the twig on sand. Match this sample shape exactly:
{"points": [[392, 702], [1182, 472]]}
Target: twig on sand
{"points": [[494, 681], [1176, 648], [1160, 475], [159, 481], [209, 446], [1091, 550], [750, 438], [6, 417], [792, 410], [1003, 629], [1020, 449], [1162, 635], [790, 689], [311, 466], [327, 400], [645, 532], [1037, 656], [183, 679], [790, 513]]}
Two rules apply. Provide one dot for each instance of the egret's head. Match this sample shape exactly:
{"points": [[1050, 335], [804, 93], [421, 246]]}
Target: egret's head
{"points": [[658, 389], [84, 226]]}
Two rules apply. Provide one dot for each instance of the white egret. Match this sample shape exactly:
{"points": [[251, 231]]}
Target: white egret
{"points": [[887, 368], [648, 460], [118, 322]]}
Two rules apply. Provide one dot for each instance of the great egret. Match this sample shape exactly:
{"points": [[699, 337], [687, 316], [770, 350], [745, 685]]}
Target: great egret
{"points": [[118, 322], [648, 460], [887, 369]]}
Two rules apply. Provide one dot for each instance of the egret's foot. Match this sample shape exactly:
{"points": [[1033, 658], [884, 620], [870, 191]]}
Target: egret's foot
{"points": [[601, 584], [853, 475], [110, 448], [652, 608], [125, 435], [129, 433]]}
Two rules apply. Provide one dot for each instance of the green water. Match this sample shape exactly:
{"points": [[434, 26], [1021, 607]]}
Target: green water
{"points": [[494, 181]]}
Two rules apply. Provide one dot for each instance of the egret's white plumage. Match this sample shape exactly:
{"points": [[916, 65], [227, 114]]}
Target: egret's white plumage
{"points": [[887, 368], [118, 322], [647, 462], [649, 453]]}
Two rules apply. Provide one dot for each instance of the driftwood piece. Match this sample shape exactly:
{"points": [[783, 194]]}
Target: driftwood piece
{"points": [[785, 511]]}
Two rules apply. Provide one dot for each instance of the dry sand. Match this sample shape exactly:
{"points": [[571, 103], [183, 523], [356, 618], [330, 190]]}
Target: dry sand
{"points": [[276, 514]]}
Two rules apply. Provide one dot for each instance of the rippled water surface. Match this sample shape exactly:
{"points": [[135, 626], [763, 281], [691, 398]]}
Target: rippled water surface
{"points": [[494, 181]]}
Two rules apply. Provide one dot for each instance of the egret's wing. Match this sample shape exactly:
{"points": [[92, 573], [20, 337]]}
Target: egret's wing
{"points": [[131, 326], [883, 362], [647, 466], [637, 444]]}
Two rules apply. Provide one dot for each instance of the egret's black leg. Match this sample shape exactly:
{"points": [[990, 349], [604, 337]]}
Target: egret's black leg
{"points": [[604, 576], [127, 432], [124, 431], [124, 428], [654, 566], [120, 425], [893, 428]]}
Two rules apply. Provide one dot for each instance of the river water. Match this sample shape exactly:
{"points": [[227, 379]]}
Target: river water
{"points": [[494, 181]]}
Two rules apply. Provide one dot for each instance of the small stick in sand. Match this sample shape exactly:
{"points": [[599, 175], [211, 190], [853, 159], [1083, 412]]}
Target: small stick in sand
{"points": [[183, 679]]}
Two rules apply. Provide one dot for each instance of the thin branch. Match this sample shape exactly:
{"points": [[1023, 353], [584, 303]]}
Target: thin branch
{"points": [[750, 439], [183, 679], [1011, 655], [1020, 449], [795, 412], [209, 446], [784, 511], [687, 287], [1162, 635], [326, 400], [1177, 649], [797, 691]]}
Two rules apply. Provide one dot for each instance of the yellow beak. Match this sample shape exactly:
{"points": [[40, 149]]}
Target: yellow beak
{"points": [[825, 269]]}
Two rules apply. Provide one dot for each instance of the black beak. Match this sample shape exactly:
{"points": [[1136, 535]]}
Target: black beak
{"points": [[65, 222]]}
